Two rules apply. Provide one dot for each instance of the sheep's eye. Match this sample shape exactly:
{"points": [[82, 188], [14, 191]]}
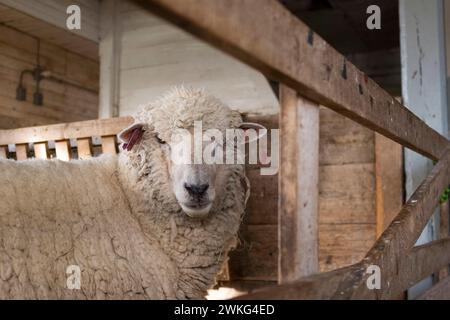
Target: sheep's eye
{"points": [[160, 141]]}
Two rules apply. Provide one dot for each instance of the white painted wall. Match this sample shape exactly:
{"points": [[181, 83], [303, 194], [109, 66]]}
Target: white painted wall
{"points": [[424, 87], [153, 55], [54, 12]]}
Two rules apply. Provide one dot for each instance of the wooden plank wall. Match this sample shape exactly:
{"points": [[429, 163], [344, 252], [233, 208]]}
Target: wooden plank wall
{"points": [[155, 56], [62, 103], [347, 200], [46, 19], [54, 12]]}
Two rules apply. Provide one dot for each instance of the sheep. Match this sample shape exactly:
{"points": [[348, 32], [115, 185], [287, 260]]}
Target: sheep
{"points": [[137, 225]]}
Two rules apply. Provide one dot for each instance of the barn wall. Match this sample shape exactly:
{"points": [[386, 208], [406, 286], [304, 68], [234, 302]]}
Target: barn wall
{"points": [[54, 12], [347, 219], [62, 103], [153, 56]]}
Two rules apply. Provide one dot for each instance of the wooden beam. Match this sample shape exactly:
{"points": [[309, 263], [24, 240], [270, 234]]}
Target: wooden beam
{"points": [[272, 40], [64, 131], [299, 187]]}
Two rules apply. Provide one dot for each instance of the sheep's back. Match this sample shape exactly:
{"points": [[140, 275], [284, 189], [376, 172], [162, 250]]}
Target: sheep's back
{"points": [[55, 214]]}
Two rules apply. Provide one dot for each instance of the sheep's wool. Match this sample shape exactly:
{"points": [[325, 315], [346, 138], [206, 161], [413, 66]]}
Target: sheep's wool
{"points": [[116, 218]]}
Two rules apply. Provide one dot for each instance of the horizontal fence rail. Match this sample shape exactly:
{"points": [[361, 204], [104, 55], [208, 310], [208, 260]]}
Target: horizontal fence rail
{"points": [[82, 131], [272, 40], [64, 131]]}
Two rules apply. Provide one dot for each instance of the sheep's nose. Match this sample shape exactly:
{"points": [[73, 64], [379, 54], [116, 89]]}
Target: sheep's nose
{"points": [[196, 190]]}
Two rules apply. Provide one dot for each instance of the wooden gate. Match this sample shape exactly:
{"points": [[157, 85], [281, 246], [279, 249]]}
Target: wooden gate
{"points": [[269, 38]]}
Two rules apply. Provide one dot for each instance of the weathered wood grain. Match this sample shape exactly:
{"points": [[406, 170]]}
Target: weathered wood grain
{"points": [[400, 264], [3, 152], [21, 151], [256, 258], [272, 40], [64, 131], [347, 193], [84, 148], [41, 150], [62, 149], [440, 291], [388, 179], [109, 144], [343, 141], [298, 185]]}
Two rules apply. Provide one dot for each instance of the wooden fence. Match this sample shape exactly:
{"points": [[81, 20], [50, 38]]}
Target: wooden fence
{"points": [[270, 39], [83, 132]]}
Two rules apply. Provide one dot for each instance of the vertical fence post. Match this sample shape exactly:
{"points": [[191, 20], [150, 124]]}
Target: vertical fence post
{"points": [[299, 187]]}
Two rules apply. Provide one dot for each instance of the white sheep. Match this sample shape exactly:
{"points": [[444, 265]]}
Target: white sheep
{"points": [[136, 225]]}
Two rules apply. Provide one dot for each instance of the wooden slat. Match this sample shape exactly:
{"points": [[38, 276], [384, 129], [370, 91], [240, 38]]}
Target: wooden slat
{"points": [[400, 265], [343, 141], [65, 131], [342, 244], [22, 151], [299, 187], [388, 180], [3, 152], [109, 144], [84, 147], [62, 150], [272, 40], [41, 150]]}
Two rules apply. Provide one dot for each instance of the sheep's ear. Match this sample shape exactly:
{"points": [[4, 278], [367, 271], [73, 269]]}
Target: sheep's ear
{"points": [[252, 131], [131, 135]]}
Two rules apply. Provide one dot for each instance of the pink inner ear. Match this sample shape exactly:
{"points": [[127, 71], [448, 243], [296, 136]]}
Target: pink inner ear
{"points": [[135, 137]]}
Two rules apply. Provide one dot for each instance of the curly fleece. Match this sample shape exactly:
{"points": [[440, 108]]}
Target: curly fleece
{"points": [[116, 217]]}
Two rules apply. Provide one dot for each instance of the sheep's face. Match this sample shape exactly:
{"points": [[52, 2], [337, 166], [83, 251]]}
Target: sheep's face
{"points": [[189, 130], [199, 166], [195, 182], [196, 161]]}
